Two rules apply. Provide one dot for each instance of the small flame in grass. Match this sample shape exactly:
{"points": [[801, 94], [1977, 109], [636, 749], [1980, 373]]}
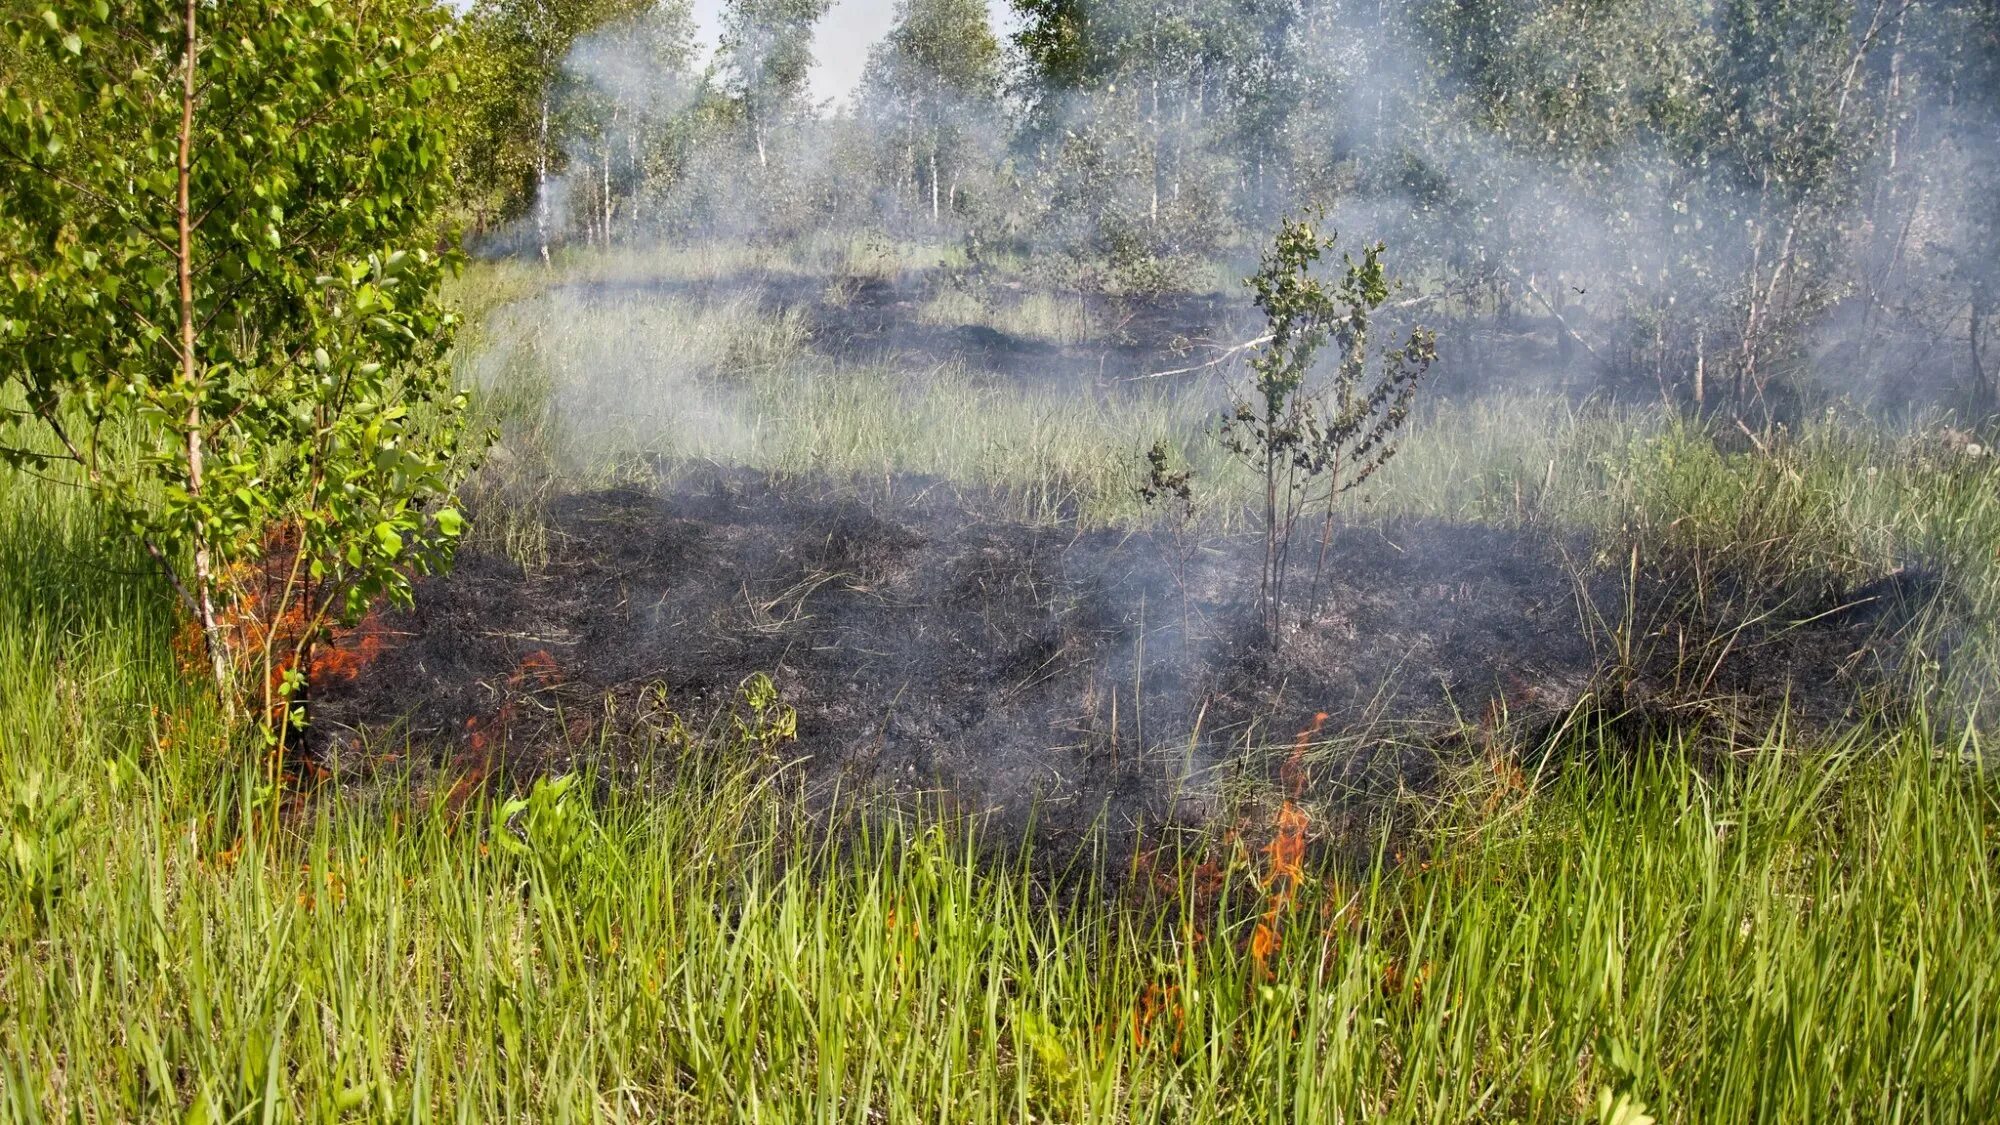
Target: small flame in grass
{"points": [[462, 790], [538, 666], [1293, 772], [1158, 1001], [1285, 855], [346, 653], [1280, 880], [484, 735]]}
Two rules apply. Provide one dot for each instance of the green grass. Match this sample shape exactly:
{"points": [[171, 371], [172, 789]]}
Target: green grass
{"points": [[1804, 932], [1044, 317], [589, 387], [1796, 936]]}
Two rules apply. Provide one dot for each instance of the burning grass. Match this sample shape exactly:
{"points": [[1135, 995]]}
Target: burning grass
{"points": [[1634, 778], [948, 573], [1648, 929], [1621, 915]]}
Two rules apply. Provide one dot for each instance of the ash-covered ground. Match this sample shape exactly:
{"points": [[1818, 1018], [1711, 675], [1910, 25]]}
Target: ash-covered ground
{"points": [[1070, 676]]}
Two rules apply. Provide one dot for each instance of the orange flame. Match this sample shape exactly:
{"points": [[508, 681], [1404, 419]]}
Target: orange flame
{"points": [[483, 735], [346, 653], [538, 666], [1156, 1002], [1285, 854], [269, 609]]}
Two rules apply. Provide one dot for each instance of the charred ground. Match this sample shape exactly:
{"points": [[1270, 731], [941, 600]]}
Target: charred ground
{"points": [[1038, 671]]}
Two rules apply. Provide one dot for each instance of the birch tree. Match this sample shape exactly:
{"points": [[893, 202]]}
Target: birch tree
{"points": [[529, 41], [933, 81], [766, 56], [216, 314]]}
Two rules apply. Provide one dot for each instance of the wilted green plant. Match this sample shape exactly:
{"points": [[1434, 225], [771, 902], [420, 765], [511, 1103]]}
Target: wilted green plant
{"points": [[1312, 436], [553, 825], [1163, 482], [763, 721]]}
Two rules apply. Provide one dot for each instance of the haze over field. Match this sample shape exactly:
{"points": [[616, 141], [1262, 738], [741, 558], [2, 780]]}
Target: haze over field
{"points": [[1061, 560]]}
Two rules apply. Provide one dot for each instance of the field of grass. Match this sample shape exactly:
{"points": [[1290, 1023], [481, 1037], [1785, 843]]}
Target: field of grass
{"points": [[1594, 930]]}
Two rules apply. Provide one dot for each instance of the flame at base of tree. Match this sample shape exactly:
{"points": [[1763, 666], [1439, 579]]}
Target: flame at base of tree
{"points": [[280, 637]]}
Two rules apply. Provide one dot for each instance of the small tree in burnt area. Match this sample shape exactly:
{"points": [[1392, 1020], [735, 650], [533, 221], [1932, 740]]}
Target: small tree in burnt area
{"points": [[1313, 429]]}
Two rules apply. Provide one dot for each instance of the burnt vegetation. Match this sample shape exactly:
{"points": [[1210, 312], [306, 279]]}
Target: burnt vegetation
{"points": [[1065, 676]]}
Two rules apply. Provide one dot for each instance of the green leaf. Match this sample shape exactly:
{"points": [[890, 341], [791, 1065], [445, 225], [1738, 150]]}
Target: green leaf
{"points": [[450, 523]]}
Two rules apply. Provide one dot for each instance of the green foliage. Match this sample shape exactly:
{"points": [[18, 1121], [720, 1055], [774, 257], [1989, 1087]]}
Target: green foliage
{"points": [[524, 108], [555, 829], [1052, 38], [766, 52], [39, 849], [213, 314], [764, 724], [1628, 929], [931, 85], [1311, 437], [939, 47], [1627, 940]]}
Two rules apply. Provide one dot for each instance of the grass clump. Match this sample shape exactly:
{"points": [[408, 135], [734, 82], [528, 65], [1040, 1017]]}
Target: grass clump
{"points": [[1797, 934], [1800, 932], [1048, 318]]}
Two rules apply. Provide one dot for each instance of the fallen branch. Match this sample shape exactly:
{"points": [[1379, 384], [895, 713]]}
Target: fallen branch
{"points": [[1216, 362], [1561, 321], [1237, 349]]}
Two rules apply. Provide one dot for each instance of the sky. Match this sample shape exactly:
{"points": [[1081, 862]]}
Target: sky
{"points": [[845, 35], [850, 28]]}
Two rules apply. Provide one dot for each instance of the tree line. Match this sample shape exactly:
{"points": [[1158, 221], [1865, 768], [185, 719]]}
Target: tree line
{"points": [[1706, 198]]}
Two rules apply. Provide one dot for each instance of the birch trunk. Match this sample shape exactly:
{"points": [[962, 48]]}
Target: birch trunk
{"points": [[204, 577], [542, 182]]}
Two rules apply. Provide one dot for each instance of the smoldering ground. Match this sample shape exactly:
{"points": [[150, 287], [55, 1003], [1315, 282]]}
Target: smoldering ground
{"points": [[1039, 675], [939, 636]]}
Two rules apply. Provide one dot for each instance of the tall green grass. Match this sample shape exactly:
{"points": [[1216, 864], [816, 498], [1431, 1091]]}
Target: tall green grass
{"points": [[1803, 934], [1045, 317], [1806, 932], [596, 384]]}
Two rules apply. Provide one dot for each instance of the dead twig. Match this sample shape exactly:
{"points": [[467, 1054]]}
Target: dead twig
{"points": [[1235, 350], [1561, 321]]}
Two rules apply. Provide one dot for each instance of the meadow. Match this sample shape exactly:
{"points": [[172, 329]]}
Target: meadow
{"points": [[1600, 922]]}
